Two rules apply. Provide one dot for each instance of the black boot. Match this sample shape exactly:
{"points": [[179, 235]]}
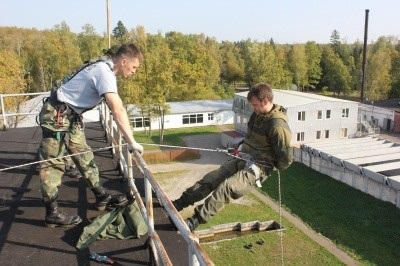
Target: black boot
{"points": [[192, 222], [72, 171], [104, 200], [54, 217]]}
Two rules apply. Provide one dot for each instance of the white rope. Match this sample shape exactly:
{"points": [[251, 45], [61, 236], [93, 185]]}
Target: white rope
{"points": [[61, 157], [280, 214]]}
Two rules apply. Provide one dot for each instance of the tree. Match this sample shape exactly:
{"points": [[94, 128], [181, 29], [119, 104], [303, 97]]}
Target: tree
{"points": [[90, 44], [12, 80], [232, 65], [379, 69], [336, 75], [120, 30], [314, 71], [297, 64]]}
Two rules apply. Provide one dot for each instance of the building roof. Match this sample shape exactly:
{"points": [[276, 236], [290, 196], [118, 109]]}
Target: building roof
{"points": [[289, 98], [199, 106], [392, 104]]}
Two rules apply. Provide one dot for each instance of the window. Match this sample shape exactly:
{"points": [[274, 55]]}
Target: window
{"points": [[301, 116], [238, 119], [318, 136], [327, 134], [210, 116], [300, 136], [343, 132], [319, 114], [345, 112], [192, 119], [328, 114], [140, 122]]}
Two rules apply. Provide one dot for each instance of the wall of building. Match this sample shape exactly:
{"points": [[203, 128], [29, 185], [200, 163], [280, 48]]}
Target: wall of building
{"points": [[311, 124], [176, 120], [379, 190], [381, 117], [336, 124]]}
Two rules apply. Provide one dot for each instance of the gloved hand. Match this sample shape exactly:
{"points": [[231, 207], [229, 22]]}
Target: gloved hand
{"points": [[135, 146], [235, 150]]}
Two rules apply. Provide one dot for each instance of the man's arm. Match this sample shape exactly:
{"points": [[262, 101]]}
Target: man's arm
{"points": [[114, 102], [281, 145]]}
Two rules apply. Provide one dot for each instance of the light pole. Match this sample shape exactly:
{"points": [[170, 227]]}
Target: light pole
{"points": [[108, 24]]}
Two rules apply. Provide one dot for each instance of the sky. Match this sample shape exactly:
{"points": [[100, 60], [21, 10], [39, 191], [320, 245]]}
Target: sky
{"points": [[285, 21]]}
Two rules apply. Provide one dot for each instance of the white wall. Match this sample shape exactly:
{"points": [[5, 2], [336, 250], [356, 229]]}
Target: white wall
{"points": [[311, 124], [369, 112], [175, 120]]}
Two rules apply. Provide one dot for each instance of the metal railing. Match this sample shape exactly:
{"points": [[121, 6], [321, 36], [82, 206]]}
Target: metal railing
{"points": [[27, 112], [125, 160], [196, 254]]}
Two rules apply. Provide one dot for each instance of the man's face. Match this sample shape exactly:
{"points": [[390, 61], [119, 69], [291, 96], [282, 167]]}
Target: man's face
{"points": [[260, 107], [128, 67]]}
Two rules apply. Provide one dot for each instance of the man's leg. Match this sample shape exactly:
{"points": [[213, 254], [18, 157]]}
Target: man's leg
{"points": [[87, 166], [234, 187], [50, 178], [207, 184]]}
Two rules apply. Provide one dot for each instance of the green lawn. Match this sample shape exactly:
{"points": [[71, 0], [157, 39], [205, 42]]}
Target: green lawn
{"points": [[365, 227]]}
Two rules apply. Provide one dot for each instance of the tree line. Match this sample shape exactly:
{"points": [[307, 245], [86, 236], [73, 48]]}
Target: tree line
{"points": [[180, 67]]}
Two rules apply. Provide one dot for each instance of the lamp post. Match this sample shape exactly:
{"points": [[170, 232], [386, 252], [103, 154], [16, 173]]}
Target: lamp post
{"points": [[108, 24]]}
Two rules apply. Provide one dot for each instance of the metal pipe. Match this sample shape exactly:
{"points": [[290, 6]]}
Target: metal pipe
{"points": [[364, 74]]}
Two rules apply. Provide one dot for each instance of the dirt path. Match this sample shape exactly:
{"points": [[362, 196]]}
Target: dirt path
{"points": [[209, 161]]}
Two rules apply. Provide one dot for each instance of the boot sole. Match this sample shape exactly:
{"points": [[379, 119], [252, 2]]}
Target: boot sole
{"points": [[47, 225]]}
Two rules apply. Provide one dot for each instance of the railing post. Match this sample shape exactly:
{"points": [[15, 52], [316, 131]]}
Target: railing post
{"points": [[3, 112]]}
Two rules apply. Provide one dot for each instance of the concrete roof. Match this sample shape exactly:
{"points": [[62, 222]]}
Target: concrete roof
{"points": [[372, 157], [187, 107], [289, 98]]}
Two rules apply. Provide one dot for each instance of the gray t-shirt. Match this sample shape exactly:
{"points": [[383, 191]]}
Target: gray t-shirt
{"points": [[85, 90]]}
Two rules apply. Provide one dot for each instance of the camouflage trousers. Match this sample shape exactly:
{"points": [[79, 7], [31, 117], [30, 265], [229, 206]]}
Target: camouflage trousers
{"points": [[231, 181], [61, 138]]}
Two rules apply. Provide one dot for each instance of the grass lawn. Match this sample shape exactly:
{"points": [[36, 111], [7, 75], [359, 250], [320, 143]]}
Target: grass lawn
{"points": [[365, 227]]}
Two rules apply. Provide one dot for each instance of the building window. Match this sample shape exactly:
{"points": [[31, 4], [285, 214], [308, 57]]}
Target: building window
{"points": [[238, 119], [210, 116], [300, 136], [192, 119], [301, 116], [140, 122], [319, 114], [328, 114], [327, 134], [343, 132], [318, 136], [345, 112]]}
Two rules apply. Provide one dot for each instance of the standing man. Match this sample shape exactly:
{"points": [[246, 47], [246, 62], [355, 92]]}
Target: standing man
{"points": [[61, 115], [266, 146]]}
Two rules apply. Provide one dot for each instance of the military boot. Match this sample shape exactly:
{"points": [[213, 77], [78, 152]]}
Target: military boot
{"points": [[72, 171], [56, 218], [104, 200], [193, 222]]}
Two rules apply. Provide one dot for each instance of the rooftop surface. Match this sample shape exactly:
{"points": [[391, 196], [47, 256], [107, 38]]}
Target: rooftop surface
{"points": [[23, 238]]}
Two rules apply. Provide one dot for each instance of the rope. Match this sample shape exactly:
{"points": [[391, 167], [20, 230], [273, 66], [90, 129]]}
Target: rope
{"points": [[61, 157], [280, 214]]}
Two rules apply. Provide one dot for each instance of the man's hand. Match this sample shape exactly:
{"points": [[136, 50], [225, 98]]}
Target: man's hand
{"points": [[135, 146]]}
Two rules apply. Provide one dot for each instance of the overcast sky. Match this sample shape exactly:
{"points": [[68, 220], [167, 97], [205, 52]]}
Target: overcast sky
{"points": [[285, 21]]}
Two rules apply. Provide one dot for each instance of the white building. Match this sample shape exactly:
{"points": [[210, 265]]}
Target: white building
{"points": [[312, 117], [187, 114]]}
